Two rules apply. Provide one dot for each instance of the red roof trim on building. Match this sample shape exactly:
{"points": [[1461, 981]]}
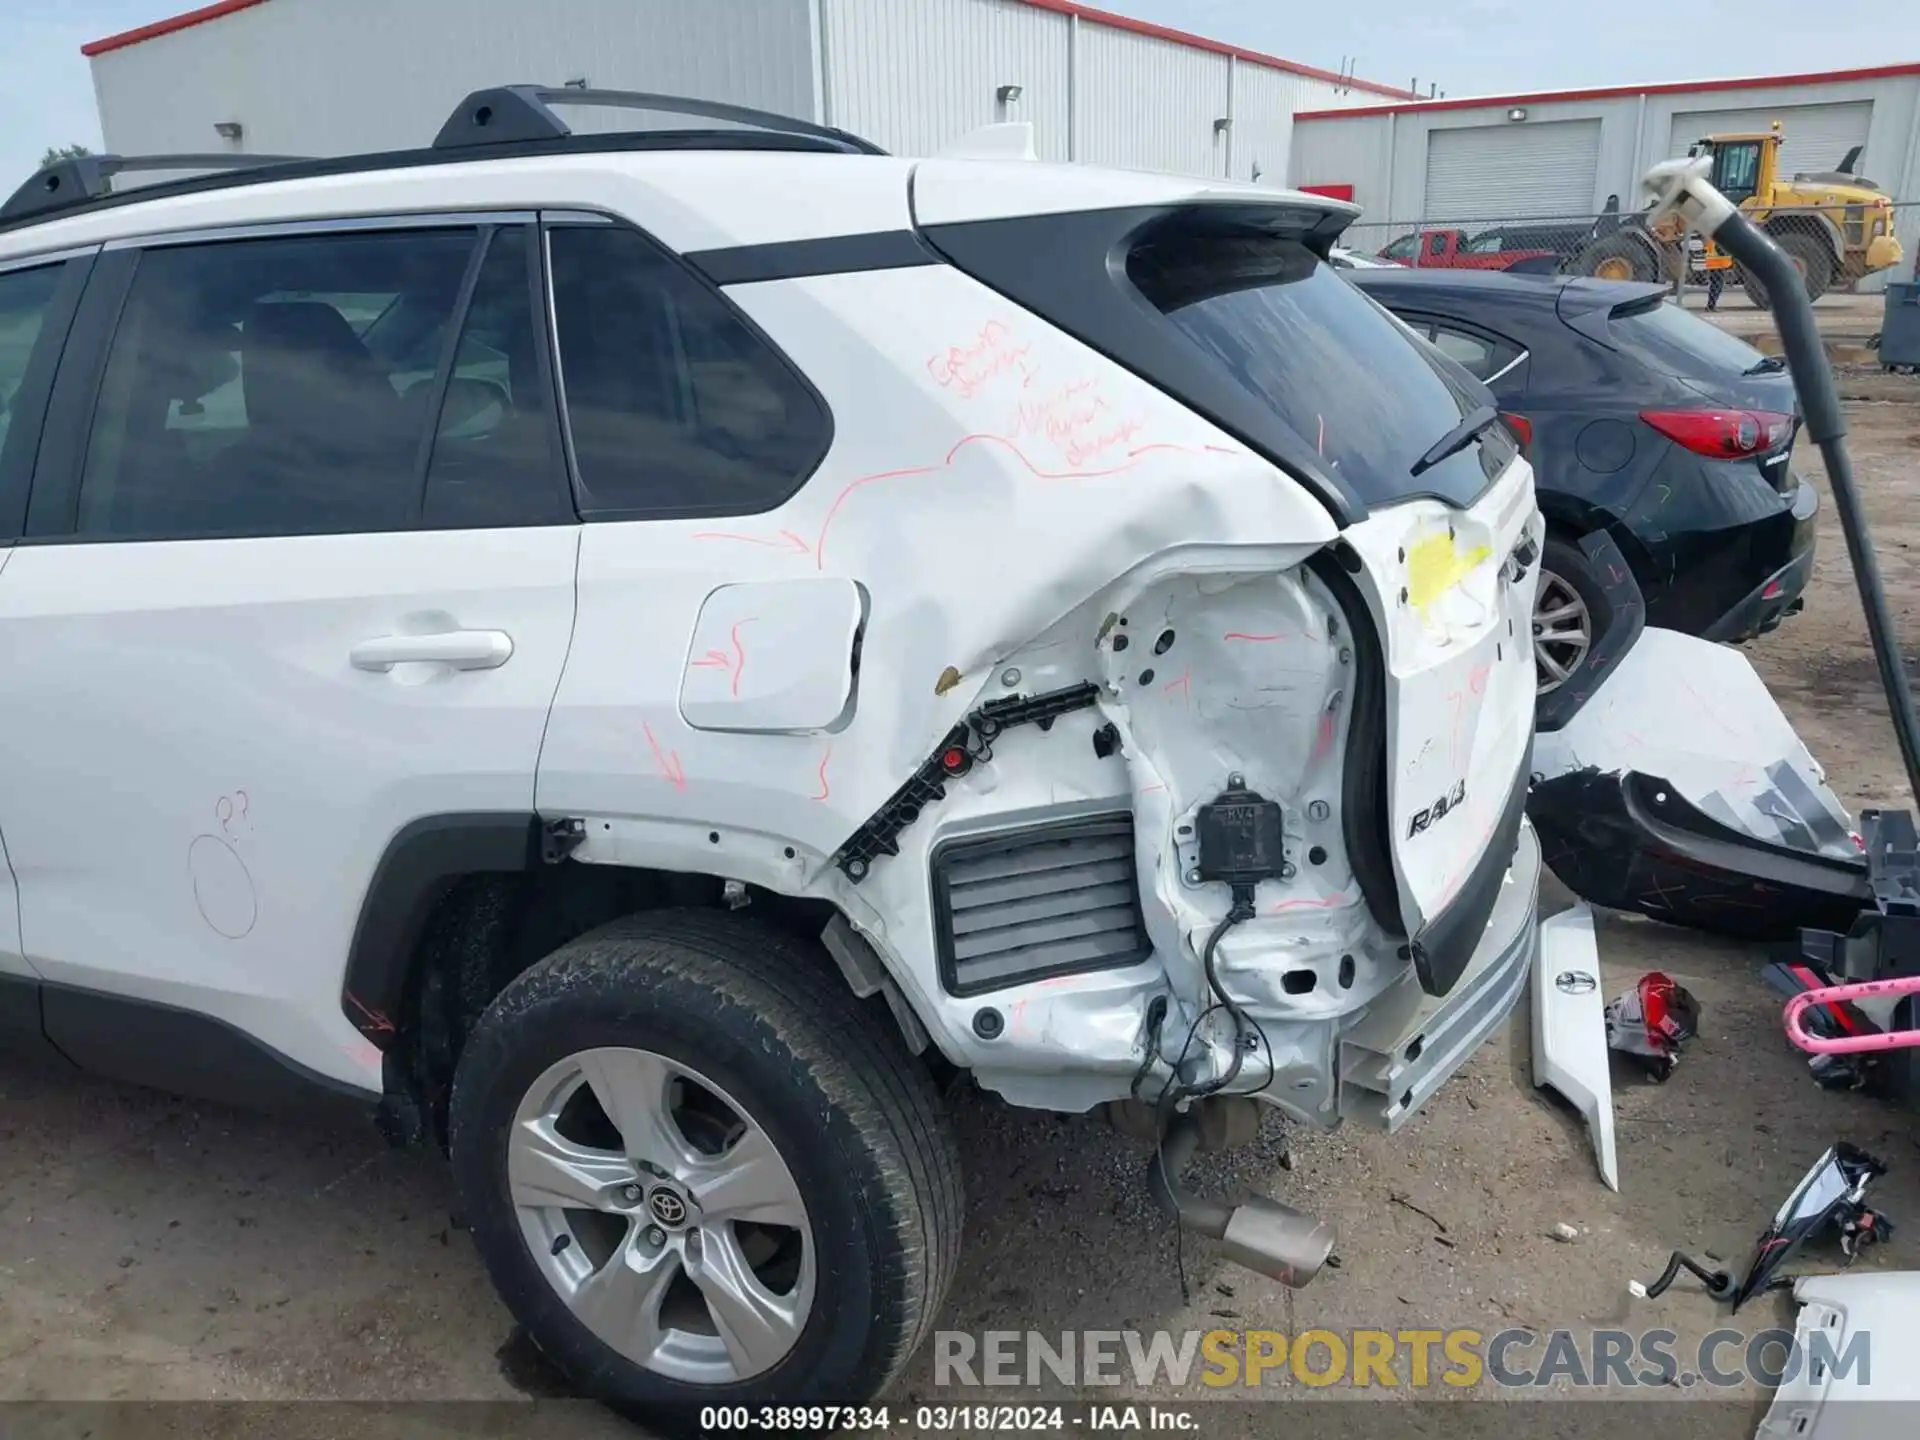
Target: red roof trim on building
{"points": [[1609, 92], [167, 26], [1058, 7]]}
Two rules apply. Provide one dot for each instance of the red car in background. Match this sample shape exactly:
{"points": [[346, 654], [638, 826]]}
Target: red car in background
{"points": [[1456, 250]]}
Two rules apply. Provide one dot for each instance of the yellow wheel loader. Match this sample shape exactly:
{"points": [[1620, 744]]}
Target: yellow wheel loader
{"points": [[1834, 225]]}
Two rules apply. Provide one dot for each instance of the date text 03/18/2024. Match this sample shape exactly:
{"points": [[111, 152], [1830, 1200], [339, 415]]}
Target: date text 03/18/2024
{"points": [[949, 1419]]}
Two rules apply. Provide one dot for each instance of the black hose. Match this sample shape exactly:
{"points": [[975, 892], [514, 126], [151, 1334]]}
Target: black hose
{"points": [[1827, 425], [1718, 1282]]}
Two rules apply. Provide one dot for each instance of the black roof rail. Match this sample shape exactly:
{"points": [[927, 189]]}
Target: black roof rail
{"points": [[75, 181], [516, 114]]}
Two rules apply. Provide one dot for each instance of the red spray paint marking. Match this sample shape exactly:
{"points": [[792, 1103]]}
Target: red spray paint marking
{"points": [[1326, 903], [735, 663], [824, 790], [967, 368], [667, 760], [376, 1021], [740, 653], [1323, 743], [787, 540], [1459, 701], [794, 544], [1263, 639], [1185, 682]]}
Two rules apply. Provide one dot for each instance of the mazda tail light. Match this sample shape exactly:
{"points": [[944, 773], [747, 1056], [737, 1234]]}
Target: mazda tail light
{"points": [[1723, 434]]}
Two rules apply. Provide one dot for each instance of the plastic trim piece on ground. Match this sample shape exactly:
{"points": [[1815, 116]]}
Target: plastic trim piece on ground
{"points": [[1682, 792], [1570, 1028], [1825, 1398]]}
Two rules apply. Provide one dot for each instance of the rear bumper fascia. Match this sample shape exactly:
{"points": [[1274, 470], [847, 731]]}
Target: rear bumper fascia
{"points": [[1631, 842], [1779, 595], [1410, 1043]]}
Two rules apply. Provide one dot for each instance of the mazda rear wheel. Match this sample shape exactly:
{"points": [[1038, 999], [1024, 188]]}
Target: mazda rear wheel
{"points": [[1570, 610]]}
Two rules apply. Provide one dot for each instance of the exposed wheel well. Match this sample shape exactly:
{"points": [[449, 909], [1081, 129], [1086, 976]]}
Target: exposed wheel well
{"points": [[436, 943]]}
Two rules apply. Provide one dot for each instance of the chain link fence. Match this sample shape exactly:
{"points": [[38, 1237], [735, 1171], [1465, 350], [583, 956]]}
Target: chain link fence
{"points": [[1835, 248]]}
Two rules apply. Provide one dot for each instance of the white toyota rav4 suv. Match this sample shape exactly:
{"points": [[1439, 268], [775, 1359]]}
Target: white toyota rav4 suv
{"points": [[636, 656]]}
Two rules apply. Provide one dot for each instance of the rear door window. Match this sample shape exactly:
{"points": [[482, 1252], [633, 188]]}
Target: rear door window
{"points": [[496, 451], [248, 389], [1326, 358], [25, 298]]}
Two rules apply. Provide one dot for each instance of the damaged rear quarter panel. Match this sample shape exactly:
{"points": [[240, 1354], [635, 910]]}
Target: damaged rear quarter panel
{"points": [[989, 477]]}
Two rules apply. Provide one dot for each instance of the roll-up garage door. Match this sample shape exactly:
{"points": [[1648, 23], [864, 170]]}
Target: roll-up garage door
{"points": [[1812, 137], [1512, 170]]}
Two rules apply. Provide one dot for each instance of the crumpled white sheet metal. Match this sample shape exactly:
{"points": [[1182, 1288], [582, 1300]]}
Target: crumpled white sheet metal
{"points": [[1007, 495], [1694, 713]]}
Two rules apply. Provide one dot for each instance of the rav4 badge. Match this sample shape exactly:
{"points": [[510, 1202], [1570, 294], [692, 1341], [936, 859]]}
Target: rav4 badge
{"points": [[1439, 810]]}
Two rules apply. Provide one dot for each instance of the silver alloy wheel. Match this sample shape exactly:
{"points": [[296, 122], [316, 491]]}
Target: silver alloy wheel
{"points": [[1562, 631], [662, 1215]]}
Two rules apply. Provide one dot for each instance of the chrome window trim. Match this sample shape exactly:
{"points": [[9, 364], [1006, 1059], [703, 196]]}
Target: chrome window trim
{"points": [[1506, 367], [48, 257], [332, 225]]}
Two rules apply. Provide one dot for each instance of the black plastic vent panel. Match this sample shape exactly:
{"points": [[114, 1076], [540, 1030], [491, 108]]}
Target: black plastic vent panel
{"points": [[1023, 905]]}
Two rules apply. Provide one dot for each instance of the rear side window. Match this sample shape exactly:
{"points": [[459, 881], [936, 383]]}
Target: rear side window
{"points": [[272, 387], [1677, 343], [25, 297], [675, 404], [1326, 358]]}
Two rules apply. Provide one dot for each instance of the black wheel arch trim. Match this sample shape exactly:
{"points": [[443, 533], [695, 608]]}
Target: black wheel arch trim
{"points": [[421, 863], [164, 1047]]}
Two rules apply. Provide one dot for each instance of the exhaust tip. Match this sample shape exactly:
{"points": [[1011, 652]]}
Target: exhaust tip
{"points": [[1277, 1241]]}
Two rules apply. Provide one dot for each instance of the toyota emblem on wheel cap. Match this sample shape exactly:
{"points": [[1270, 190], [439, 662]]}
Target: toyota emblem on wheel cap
{"points": [[668, 1208], [1574, 982]]}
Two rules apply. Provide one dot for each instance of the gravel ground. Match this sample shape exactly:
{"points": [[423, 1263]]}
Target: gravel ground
{"points": [[154, 1249]]}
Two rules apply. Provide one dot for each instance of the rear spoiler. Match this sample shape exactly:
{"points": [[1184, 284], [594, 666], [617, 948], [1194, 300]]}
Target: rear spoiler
{"points": [[1588, 306]]}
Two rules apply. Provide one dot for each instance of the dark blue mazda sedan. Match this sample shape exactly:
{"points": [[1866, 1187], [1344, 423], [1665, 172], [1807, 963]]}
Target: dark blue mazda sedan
{"points": [[1641, 420]]}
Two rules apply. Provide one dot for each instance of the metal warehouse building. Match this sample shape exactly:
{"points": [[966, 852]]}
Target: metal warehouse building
{"points": [[328, 77], [1562, 153]]}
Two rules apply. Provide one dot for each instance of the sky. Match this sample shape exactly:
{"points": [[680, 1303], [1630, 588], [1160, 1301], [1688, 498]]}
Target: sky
{"points": [[1467, 47]]}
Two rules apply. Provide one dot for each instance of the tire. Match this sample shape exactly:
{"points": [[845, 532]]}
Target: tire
{"points": [[704, 1008], [1809, 256], [1566, 576], [1813, 260], [1617, 257]]}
